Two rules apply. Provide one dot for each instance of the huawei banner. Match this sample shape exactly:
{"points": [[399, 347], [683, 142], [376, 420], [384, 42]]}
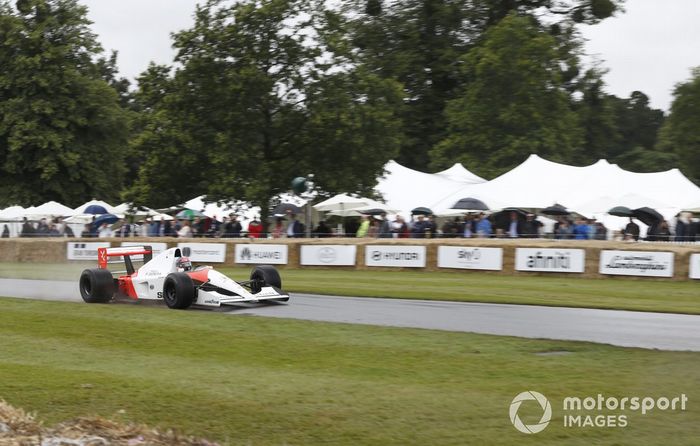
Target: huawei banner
{"points": [[695, 266], [637, 263], [395, 256], [205, 252], [466, 257], [85, 251], [332, 255], [261, 253], [550, 260]]}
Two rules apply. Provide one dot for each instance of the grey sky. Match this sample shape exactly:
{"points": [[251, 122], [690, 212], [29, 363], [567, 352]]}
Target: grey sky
{"points": [[650, 47]]}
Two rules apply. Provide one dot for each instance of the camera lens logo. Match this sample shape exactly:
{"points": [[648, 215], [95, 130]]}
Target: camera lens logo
{"points": [[544, 404]]}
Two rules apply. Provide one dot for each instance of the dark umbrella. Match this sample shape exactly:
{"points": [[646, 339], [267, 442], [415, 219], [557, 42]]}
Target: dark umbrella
{"points": [[285, 208], [95, 209], [471, 204], [648, 216], [621, 211], [556, 209], [105, 218], [375, 211], [421, 211]]}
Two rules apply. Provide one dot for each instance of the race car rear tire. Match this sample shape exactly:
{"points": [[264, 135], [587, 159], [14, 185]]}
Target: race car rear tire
{"points": [[96, 285], [266, 275], [178, 291]]}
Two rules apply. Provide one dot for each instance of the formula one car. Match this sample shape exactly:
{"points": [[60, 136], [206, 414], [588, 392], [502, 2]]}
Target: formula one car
{"points": [[169, 276]]}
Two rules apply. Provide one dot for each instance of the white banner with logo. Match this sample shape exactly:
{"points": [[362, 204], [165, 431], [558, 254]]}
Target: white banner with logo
{"points": [[694, 266], [636, 263], [205, 252], [332, 255], [156, 247], [550, 260], [84, 250], [470, 257], [261, 253], [395, 256]]}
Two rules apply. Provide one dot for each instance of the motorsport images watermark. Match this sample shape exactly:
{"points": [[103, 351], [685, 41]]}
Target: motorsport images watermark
{"points": [[591, 411]]}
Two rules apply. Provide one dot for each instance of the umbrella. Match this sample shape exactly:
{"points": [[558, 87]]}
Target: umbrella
{"points": [[342, 202], [621, 211], [647, 215], [188, 214], [373, 211], [470, 204], [285, 208], [95, 209], [421, 211], [105, 218], [556, 209]]}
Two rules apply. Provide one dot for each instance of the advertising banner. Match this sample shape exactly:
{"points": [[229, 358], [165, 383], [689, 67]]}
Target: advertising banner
{"points": [[470, 257], [331, 255], [636, 263], [84, 250], [205, 252], [260, 253], [395, 256], [695, 266], [551, 260]]}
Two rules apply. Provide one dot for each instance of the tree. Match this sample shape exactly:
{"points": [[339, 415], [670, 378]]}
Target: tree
{"points": [[680, 133], [258, 101], [596, 113], [419, 43], [514, 102], [61, 125]]}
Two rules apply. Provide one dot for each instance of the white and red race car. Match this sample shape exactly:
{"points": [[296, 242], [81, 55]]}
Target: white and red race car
{"points": [[163, 277]]}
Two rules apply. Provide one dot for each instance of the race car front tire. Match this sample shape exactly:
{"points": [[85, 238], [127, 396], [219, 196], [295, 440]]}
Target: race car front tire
{"points": [[266, 275], [96, 285], [178, 291]]}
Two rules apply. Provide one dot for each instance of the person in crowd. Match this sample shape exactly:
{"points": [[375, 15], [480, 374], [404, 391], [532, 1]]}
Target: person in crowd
{"points": [[5, 232], [663, 233], [105, 231], [514, 226], [232, 227], [53, 230], [322, 230], [27, 228], [364, 227], [601, 232], [200, 227], [468, 229], [385, 227], [373, 231], [563, 231], [168, 229], [530, 228], [632, 230], [255, 228], [352, 225], [483, 226], [419, 226], [580, 230], [42, 228], [295, 228], [450, 229], [430, 227], [186, 230], [87, 231], [685, 229], [124, 230], [67, 231], [278, 229], [400, 228]]}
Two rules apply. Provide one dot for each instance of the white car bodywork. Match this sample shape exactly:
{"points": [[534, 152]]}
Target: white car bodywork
{"points": [[212, 288]]}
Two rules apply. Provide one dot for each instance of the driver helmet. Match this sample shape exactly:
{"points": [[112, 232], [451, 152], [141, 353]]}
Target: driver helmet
{"points": [[184, 264]]}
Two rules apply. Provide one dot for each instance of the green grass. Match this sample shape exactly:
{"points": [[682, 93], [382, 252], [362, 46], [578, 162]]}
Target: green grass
{"points": [[258, 381], [613, 292]]}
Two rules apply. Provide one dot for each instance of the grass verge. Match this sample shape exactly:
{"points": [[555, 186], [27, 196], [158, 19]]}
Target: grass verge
{"points": [[257, 381]]}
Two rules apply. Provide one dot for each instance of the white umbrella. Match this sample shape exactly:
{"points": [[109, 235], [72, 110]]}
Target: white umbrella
{"points": [[344, 202]]}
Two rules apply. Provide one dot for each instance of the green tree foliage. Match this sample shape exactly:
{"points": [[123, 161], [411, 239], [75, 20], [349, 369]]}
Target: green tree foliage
{"points": [[680, 133], [514, 103], [61, 126], [419, 43], [255, 104], [597, 117]]}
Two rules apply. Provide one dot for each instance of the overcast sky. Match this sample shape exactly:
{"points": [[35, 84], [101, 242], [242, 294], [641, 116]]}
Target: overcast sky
{"points": [[650, 47]]}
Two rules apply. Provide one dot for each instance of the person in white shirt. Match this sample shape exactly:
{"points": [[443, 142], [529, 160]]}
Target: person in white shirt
{"points": [[105, 231]]}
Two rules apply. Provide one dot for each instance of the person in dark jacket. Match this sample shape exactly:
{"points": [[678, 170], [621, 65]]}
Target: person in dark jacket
{"points": [[385, 230], [632, 230], [295, 228]]}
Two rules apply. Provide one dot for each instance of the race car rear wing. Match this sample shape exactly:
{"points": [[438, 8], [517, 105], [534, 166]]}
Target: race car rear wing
{"points": [[104, 254]]}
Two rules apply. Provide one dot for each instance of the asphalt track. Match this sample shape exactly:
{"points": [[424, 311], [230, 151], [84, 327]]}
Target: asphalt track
{"points": [[622, 328]]}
